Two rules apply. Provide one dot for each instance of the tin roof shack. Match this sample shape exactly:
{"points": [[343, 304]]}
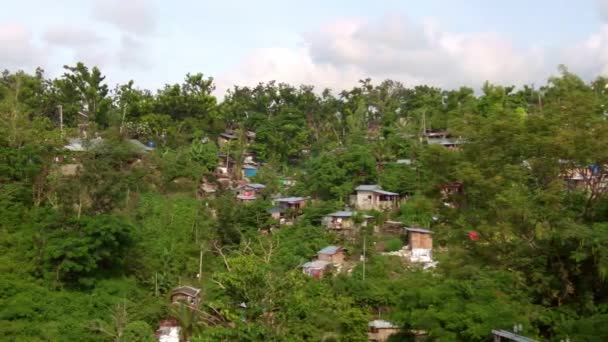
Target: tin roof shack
{"points": [[279, 214], [372, 197], [332, 254], [186, 294], [316, 268], [291, 203], [225, 167], [249, 170], [346, 222], [420, 242], [225, 138], [591, 178], [441, 137], [381, 330], [249, 192]]}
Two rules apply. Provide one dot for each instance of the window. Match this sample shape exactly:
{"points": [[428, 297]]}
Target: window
{"points": [[369, 197]]}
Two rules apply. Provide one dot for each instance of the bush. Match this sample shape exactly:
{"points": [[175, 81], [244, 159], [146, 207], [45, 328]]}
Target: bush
{"points": [[393, 245]]}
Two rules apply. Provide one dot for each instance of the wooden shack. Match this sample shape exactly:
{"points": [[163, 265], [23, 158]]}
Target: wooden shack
{"points": [[332, 254], [420, 243], [316, 268], [381, 330], [186, 294]]}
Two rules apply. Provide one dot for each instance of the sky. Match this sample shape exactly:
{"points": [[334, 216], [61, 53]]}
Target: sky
{"points": [[445, 43]]}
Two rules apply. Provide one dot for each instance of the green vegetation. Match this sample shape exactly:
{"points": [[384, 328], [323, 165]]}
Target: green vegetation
{"points": [[93, 254]]}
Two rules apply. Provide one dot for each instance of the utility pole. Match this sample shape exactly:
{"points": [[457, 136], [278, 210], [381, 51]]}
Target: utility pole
{"points": [[156, 284], [364, 258], [122, 122], [200, 264], [60, 108]]}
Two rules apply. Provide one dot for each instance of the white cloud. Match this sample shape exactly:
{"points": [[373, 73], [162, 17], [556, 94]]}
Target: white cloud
{"points": [[133, 16], [18, 50], [347, 50], [71, 36]]}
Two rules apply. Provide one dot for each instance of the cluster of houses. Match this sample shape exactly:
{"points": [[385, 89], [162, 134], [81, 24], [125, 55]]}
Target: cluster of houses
{"points": [[330, 256]]}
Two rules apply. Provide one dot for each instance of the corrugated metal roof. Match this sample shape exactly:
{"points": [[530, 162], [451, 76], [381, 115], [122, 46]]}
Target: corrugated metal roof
{"points": [[367, 187], [316, 264], [330, 250], [291, 199], [187, 290], [245, 197], [512, 336], [228, 136], [256, 186], [419, 230], [342, 214], [381, 324], [388, 193]]}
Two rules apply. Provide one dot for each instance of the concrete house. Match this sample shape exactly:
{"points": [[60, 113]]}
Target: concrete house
{"points": [[332, 254], [420, 243], [186, 294], [372, 197], [380, 330]]}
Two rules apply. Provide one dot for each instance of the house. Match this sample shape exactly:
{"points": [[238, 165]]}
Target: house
{"points": [[225, 138], [441, 137], [332, 254], [294, 203], [420, 244], [344, 221], [249, 192], [168, 331], [225, 165], [380, 330], [186, 294], [250, 135], [372, 197], [279, 214], [249, 170], [445, 142], [316, 268], [449, 190]]}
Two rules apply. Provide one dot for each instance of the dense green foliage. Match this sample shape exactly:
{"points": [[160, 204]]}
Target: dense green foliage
{"points": [[93, 254]]}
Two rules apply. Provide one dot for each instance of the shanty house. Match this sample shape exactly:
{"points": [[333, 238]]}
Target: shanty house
{"points": [[249, 170], [381, 330], [420, 242], [345, 221], [316, 268], [372, 197], [225, 138], [278, 214], [294, 203], [332, 254], [186, 294], [248, 192]]}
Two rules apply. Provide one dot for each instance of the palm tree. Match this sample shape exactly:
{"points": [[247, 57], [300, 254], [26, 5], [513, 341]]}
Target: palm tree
{"points": [[188, 318]]}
